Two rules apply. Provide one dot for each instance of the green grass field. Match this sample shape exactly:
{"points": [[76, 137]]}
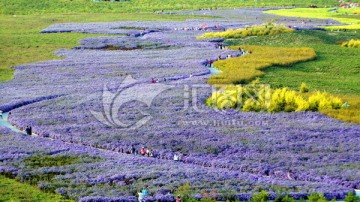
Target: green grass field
{"points": [[252, 65], [88, 6], [25, 189], [20, 41], [11, 190], [336, 69], [349, 16]]}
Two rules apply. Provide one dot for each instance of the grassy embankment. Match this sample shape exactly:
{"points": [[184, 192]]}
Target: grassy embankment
{"points": [[28, 190], [348, 16], [12, 190]]}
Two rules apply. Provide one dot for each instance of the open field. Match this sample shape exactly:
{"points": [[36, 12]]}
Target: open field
{"points": [[85, 6], [349, 16], [95, 93], [335, 70], [22, 43], [242, 70]]}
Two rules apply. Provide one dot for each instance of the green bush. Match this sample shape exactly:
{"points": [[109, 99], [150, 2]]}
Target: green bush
{"points": [[317, 197], [207, 200], [40, 160], [263, 196], [185, 192], [282, 198], [350, 197]]}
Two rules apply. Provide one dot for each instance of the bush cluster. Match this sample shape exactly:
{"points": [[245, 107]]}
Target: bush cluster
{"points": [[262, 98], [255, 30], [351, 44]]}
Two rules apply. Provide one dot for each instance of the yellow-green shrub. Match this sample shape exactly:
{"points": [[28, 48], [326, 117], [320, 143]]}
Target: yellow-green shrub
{"points": [[304, 88], [302, 104], [351, 44], [253, 105], [243, 69], [255, 30], [350, 113], [284, 99], [323, 101]]}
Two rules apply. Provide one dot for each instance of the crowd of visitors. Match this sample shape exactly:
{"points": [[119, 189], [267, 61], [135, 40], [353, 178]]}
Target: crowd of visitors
{"points": [[144, 151], [209, 63]]}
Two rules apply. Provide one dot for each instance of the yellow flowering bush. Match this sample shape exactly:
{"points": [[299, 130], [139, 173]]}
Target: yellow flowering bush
{"points": [[351, 44], [323, 101], [255, 30], [259, 98], [304, 88]]}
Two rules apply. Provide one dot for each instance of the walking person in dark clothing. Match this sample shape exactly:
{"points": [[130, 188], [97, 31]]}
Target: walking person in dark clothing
{"points": [[132, 150], [28, 130]]}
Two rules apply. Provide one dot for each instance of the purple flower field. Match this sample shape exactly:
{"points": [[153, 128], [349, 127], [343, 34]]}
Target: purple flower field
{"points": [[228, 151]]}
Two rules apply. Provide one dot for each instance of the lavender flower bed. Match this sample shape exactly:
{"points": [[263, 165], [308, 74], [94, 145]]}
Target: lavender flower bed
{"points": [[302, 152], [119, 174]]}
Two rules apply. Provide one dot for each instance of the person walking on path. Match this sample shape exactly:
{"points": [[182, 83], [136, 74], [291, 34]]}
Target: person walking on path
{"points": [[132, 150], [178, 198], [140, 196], [28, 130], [145, 191], [143, 151]]}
